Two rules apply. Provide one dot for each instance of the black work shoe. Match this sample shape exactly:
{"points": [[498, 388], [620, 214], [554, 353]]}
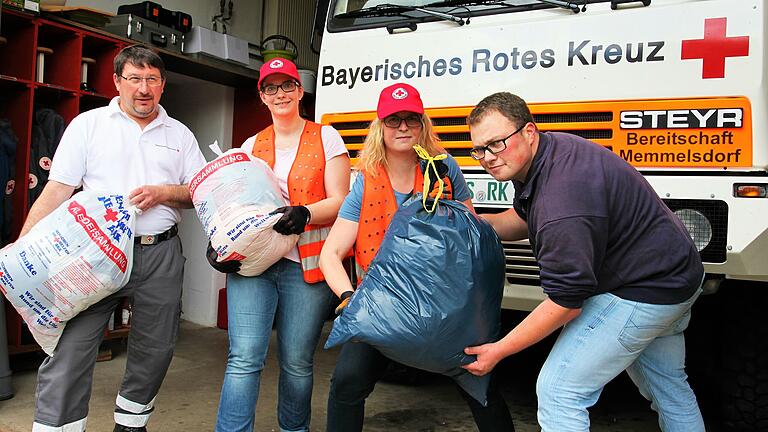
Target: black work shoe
{"points": [[121, 428]]}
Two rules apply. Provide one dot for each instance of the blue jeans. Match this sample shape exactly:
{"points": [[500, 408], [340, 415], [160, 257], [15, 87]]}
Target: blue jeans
{"points": [[299, 310], [612, 335]]}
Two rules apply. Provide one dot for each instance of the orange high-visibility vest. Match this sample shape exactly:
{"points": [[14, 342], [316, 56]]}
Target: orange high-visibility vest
{"points": [[306, 185], [378, 207]]}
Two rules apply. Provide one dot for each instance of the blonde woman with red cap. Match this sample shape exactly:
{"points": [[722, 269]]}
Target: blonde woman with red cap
{"points": [[312, 167], [389, 172]]}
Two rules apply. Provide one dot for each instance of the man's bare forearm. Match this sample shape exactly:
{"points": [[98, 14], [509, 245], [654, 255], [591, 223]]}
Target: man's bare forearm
{"points": [[52, 196], [508, 225], [177, 196]]}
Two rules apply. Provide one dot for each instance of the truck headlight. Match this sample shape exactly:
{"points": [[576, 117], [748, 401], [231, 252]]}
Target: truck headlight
{"points": [[698, 226]]}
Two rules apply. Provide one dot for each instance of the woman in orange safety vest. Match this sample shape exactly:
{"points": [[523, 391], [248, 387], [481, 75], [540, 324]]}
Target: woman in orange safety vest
{"points": [[312, 167], [389, 172]]}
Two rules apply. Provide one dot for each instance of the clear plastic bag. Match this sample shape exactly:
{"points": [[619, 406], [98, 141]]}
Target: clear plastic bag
{"points": [[79, 254], [234, 195]]}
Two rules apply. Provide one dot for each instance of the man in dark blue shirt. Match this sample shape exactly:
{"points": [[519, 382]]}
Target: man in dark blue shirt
{"points": [[619, 269]]}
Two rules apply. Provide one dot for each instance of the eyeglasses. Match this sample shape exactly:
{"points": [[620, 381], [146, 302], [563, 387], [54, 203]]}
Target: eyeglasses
{"points": [[152, 81], [478, 153], [394, 121], [287, 86]]}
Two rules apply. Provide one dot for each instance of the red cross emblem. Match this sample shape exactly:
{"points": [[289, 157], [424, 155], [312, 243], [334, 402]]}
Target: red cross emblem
{"points": [[715, 48], [399, 93], [110, 216]]}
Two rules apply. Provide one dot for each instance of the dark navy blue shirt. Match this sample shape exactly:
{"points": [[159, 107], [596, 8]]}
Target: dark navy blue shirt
{"points": [[597, 226]]}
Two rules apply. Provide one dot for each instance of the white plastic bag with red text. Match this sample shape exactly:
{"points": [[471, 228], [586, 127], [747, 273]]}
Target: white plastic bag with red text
{"points": [[234, 195], [77, 255]]}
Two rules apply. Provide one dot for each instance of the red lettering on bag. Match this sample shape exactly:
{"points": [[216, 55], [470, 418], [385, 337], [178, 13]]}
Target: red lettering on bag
{"points": [[214, 166], [114, 253]]}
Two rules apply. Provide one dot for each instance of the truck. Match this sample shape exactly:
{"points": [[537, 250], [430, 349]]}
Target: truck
{"points": [[677, 88]]}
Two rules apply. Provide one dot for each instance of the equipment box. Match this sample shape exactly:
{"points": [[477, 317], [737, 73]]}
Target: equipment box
{"points": [[30, 5], [146, 31], [148, 10], [209, 42], [236, 49]]}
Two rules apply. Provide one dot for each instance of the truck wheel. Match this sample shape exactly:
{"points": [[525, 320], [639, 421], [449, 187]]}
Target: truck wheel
{"points": [[744, 382]]}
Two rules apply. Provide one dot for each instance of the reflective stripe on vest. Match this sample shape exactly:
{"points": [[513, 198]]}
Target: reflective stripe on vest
{"points": [[378, 207], [306, 185]]}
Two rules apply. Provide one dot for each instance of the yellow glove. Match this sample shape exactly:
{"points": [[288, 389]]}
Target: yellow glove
{"points": [[345, 296]]}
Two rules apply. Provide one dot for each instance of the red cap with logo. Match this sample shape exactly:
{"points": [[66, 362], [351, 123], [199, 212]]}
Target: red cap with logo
{"points": [[399, 97], [278, 66]]}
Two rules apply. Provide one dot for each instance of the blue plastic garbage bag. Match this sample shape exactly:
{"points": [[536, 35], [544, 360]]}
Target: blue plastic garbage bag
{"points": [[434, 288]]}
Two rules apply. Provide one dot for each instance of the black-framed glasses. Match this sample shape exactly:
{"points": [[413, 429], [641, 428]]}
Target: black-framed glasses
{"points": [[287, 86], [394, 121], [152, 81], [478, 153]]}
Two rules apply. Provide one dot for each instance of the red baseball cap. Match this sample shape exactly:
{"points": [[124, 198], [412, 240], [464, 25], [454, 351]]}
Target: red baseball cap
{"points": [[399, 97], [278, 66]]}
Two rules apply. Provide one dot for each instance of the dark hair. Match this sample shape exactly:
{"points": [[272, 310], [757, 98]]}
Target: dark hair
{"points": [[511, 106], [139, 56]]}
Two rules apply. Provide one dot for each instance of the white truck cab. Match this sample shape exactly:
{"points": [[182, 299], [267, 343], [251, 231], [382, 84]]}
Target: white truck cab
{"points": [[675, 87]]}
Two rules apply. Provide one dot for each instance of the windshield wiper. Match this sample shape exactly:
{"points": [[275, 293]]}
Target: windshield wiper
{"points": [[559, 3], [388, 9], [446, 3], [573, 7]]}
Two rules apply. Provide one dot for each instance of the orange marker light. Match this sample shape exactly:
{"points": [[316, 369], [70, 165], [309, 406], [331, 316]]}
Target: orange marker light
{"points": [[750, 190]]}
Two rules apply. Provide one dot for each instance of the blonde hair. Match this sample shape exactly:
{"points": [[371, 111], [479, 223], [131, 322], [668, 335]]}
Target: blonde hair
{"points": [[374, 153]]}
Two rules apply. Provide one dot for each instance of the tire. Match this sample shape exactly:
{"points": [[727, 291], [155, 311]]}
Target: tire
{"points": [[744, 359]]}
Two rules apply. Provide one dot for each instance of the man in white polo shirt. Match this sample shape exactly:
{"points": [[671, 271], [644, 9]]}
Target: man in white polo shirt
{"points": [[130, 146]]}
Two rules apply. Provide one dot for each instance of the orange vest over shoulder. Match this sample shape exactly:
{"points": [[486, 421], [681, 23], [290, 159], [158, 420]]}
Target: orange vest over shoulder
{"points": [[306, 185], [378, 207]]}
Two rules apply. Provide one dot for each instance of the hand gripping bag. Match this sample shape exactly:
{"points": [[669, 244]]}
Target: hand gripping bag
{"points": [[77, 255], [234, 195], [434, 288]]}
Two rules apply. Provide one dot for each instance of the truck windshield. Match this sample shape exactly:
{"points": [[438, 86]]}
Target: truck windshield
{"points": [[360, 14]]}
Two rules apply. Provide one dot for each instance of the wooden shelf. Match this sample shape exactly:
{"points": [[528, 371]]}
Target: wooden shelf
{"points": [[197, 66], [21, 94], [21, 349], [118, 333], [20, 31]]}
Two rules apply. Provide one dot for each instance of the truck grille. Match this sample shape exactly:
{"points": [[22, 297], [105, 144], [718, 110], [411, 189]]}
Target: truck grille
{"points": [[451, 127], [522, 268]]}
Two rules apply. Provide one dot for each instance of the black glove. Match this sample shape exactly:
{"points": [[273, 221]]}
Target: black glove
{"points": [[232, 266], [293, 221], [345, 296], [442, 172]]}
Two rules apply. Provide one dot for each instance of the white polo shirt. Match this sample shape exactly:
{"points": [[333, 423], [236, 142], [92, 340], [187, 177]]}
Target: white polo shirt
{"points": [[105, 150]]}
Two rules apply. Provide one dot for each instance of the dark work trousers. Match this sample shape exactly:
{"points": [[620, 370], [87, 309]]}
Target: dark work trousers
{"points": [[64, 379], [359, 366]]}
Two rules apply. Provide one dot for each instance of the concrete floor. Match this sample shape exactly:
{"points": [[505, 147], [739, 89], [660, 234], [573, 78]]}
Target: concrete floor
{"points": [[189, 397]]}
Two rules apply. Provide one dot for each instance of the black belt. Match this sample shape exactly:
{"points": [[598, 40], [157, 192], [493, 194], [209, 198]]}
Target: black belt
{"points": [[149, 240]]}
